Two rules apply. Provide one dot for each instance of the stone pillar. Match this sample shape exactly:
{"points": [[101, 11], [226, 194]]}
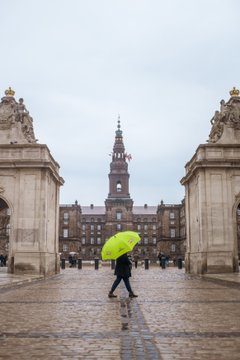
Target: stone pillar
{"points": [[30, 185], [212, 189]]}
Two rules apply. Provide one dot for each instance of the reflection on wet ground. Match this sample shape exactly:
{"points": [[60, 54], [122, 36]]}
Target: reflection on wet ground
{"points": [[176, 316]]}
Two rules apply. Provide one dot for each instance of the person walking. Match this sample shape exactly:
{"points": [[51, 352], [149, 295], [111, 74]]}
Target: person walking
{"points": [[123, 272]]}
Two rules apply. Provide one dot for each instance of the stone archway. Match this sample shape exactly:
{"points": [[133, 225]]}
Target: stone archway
{"points": [[4, 229], [238, 232]]}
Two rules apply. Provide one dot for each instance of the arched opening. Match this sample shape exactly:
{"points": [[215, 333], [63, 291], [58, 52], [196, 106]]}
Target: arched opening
{"points": [[4, 232], [119, 186], [238, 232]]}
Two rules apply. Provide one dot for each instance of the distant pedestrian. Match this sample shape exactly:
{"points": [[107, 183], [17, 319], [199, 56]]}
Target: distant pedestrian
{"points": [[167, 260], [70, 260], [5, 260], [123, 272], [136, 258], [1, 260], [160, 258]]}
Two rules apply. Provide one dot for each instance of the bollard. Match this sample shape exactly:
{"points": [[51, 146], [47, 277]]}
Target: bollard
{"points": [[112, 264], [146, 264], [79, 264], [96, 264], [63, 263], [179, 262]]}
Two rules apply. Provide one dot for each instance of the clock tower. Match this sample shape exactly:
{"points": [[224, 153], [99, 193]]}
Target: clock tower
{"points": [[118, 204]]}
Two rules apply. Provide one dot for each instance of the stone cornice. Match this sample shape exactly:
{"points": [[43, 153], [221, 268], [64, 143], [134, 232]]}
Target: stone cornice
{"points": [[214, 156], [29, 156]]}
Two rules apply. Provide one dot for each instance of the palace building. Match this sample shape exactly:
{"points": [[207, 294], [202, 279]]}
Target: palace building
{"points": [[84, 229]]}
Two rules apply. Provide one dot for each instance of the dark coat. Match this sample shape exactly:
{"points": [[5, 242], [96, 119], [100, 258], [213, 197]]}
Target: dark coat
{"points": [[123, 266]]}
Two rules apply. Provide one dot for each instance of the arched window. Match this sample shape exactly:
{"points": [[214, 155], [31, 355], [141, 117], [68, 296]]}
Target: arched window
{"points": [[118, 215], [119, 186]]}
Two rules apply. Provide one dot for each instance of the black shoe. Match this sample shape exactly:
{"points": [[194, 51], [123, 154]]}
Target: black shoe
{"points": [[132, 295], [111, 295]]}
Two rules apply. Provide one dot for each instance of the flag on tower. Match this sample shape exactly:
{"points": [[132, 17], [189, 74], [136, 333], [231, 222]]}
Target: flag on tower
{"points": [[129, 157]]}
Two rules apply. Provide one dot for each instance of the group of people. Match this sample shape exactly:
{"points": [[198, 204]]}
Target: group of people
{"points": [[72, 260], [3, 260]]}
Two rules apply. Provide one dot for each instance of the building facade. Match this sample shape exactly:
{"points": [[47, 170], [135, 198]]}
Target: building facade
{"points": [[84, 229]]}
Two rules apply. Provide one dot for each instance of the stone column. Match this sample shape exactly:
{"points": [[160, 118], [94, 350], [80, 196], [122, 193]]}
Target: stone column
{"points": [[30, 185]]}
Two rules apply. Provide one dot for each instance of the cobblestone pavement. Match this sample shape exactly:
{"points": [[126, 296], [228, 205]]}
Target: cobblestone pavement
{"points": [[69, 316]]}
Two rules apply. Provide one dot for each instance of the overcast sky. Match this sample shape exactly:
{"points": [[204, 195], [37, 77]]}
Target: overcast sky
{"points": [[163, 66]]}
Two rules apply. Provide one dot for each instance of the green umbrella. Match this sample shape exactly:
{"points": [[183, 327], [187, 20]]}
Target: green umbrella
{"points": [[119, 244]]}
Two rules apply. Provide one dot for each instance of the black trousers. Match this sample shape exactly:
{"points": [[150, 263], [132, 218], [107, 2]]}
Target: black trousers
{"points": [[117, 282]]}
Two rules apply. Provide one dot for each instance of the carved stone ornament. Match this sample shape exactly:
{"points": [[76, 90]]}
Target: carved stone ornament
{"points": [[16, 125], [2, 189], [227, 117]]}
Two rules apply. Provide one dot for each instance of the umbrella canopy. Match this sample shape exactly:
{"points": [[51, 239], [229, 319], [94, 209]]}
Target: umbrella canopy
{"points": [[119, 244]]}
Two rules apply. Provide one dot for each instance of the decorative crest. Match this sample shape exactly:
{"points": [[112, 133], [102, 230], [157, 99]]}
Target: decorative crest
{"points": [[234, 92], [9, 92]]}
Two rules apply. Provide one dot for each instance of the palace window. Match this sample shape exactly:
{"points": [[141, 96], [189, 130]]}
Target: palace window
{"points": [[65, 247], [65, 216], [119, 227], [92, 240], [172, 233], [172, 215], [154, 240], [83, 240], [99, 227], [65, 233], [138, 227], [145, 240], [98, 240], [173, 247]]}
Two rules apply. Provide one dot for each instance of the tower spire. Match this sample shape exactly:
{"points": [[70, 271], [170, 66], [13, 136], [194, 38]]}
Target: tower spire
{"points": [[119, 131], [119, 176]]}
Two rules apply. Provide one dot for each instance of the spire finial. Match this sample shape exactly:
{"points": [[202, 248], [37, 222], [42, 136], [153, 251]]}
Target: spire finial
{"points": [[119, 131]]}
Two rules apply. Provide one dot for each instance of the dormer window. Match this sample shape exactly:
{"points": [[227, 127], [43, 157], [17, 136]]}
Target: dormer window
{"points": [[119, 186]]}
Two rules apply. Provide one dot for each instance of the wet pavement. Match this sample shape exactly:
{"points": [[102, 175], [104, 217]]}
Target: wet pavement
{"points": [[69, 316]]}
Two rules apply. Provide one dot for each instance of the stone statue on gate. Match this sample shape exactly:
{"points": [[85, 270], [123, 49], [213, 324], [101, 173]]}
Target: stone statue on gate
{"points": [[16, 125], [226, 122]]}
